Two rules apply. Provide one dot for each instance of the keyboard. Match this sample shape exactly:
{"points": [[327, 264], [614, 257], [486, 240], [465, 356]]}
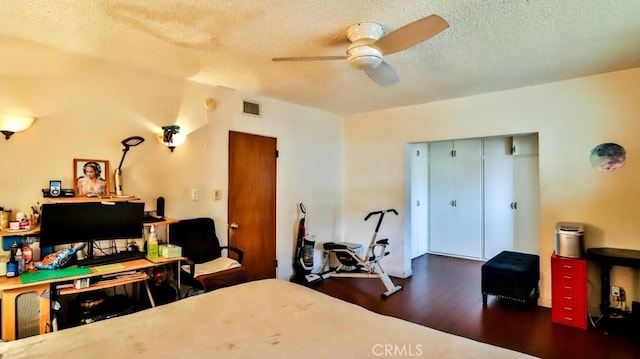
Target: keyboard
{"points": [[110, 259]]}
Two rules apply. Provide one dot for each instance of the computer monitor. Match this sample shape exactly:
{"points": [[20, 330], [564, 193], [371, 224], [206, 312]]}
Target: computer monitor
{"points": [[68, 223]]}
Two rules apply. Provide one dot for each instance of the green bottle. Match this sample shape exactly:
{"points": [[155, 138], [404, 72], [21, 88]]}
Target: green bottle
{"points": [[152, 244]]}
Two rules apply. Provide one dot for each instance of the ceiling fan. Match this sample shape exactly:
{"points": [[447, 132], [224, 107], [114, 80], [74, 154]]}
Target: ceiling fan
{"points": [[368, 46]]}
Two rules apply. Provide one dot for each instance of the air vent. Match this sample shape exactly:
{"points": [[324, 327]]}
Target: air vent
{"points": [[251, 108]]}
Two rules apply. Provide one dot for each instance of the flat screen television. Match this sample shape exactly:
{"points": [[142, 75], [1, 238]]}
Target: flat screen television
{"points": [[68, 223]]}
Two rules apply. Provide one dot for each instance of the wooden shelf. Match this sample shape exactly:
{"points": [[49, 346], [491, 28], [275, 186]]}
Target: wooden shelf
{"points": [[79, 199], [134, 278], [167, 220], [164, 260], [7, 233]]}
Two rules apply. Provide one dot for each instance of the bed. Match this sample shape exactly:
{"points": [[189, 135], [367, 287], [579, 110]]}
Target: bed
{"points": [[262, 319]]}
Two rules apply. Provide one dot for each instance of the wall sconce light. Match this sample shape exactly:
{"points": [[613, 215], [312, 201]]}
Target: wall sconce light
{"points": [[171, 136], [10, 124]]}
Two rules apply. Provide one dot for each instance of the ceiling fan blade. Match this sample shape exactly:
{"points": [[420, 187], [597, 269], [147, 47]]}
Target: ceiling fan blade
{"points": [[411, 34], [309, 58], [383, 74]]}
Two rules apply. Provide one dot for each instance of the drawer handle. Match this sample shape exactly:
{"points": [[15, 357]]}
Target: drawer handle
{"points": [[568, 309], [568, 298], [567, 287], [567, 277], [569, 319], [567, 266]]}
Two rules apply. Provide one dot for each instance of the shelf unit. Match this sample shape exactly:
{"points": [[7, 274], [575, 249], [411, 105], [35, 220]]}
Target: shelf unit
{"points": [[11, 288]]}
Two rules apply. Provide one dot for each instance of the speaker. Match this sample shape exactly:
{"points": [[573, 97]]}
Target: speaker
{"points": [[160, 207], [55, 188]]}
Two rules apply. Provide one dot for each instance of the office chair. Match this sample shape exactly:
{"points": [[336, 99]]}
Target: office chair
{"points": [[206, 268]]}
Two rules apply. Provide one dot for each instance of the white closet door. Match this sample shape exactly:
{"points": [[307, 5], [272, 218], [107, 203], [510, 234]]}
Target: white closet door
{"points": [[468, 149], [455, 198], [441, 210], [440, 149], [526, 234], [467, 222], [419, 197], [498, 205]]}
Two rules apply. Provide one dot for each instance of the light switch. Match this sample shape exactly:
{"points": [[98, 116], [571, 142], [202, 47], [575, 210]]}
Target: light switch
{"points": [[195, 194], [217, 195]]}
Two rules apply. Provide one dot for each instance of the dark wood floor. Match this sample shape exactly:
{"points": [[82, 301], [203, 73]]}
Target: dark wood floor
{"points": [[444, 293]]}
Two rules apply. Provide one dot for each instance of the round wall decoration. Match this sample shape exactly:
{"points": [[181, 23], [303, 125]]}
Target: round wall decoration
{"points": [[608, 156]]}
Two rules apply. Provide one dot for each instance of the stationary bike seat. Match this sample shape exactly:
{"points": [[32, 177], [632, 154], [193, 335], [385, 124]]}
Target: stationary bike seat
{"points": [[333, 245]]}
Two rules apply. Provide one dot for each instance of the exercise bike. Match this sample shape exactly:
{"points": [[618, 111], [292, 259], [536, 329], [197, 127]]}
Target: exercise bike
{"points": [[368, 266]]}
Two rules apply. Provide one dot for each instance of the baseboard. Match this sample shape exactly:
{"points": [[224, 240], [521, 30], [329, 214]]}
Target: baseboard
{"points": [[544, 302], [401, 275]]}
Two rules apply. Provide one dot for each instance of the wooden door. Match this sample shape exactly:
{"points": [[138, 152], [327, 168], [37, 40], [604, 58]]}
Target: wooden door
{"points": [[252, 201]]}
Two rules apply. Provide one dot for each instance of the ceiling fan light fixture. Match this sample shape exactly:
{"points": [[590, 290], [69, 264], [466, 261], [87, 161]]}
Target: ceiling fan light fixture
{"points": [[369, 43], [364, 57], [365, 30]]}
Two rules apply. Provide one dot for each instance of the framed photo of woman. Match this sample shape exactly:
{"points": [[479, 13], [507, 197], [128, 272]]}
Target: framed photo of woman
{"points": [[91, 177]]}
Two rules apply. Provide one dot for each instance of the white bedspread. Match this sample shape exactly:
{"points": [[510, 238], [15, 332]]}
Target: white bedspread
{"points": [[263, 319]]}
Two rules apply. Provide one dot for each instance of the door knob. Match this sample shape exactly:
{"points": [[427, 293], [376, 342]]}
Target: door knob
{"points": [[234, 226]]}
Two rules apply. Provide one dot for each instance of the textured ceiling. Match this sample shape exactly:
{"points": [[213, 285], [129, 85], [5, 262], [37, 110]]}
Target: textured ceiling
{"points": [[491, 45]]}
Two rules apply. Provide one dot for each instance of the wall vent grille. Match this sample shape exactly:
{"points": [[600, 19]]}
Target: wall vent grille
{"points": [[251, 108]]}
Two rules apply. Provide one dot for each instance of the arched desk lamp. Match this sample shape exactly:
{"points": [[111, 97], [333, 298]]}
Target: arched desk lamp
{"points": [[127, 143]]}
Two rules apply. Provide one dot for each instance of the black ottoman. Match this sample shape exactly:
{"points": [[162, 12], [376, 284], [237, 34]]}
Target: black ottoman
{"points": [[511, 275]]}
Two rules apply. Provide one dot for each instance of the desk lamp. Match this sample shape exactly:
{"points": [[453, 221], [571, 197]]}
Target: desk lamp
{"points": [[127, 143]]}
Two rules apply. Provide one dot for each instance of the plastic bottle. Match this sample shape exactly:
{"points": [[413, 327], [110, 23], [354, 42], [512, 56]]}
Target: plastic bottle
{"points": [[152, 244], [14, 249], [19, 260], [27, 256], [12, 268]]}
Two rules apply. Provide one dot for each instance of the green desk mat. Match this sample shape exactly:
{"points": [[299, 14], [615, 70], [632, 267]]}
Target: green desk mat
{"points": [[45, 274]]}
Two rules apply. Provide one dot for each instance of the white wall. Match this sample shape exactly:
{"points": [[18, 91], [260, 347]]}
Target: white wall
{"points": [[84, 108], [571, 118]]}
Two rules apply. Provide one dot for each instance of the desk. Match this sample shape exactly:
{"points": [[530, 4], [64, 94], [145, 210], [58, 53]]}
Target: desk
{"points": [[609, 257], [11, 288]]}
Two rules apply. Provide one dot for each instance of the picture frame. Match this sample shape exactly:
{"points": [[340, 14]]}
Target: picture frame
{"points": [[91, 177]]}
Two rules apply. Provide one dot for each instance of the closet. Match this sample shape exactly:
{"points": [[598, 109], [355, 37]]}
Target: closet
{"points": [[483, 196], [455, 197], [510, 194]]}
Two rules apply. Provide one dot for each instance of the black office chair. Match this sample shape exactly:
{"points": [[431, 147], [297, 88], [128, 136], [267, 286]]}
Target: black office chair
{"points": [[200, 245]]}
